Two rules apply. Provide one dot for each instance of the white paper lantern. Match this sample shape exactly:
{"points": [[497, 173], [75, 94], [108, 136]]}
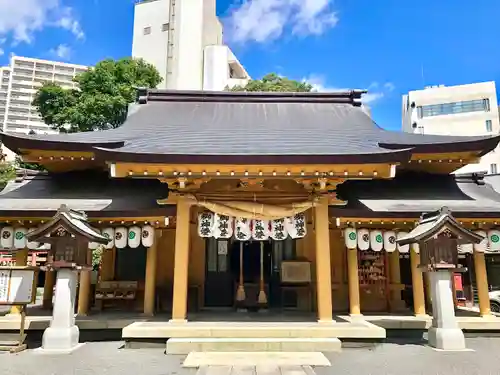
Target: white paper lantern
{"points": [[363, 239], [109, 233], [20, 238], [134, 237], [296, 226], [223, 226], [242, 230], [33, 245], [94, 245], [494, 240], [405, 248], [466, 248], [278, 230], [390, 241], [350, 238], [376, 240], [205, 224], [121, 237], [483, 245], [260, 230], [148, 236], [415, 247], [7, 240]]}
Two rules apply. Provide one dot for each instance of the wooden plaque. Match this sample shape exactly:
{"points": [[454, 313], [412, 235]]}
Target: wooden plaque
{"points": [[296, 272]]}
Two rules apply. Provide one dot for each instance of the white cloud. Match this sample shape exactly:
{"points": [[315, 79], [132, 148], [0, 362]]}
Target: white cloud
{"points": [[62, 51], [26, 17], [375, 93], [266, 20], [2, 52], [67, 22]]}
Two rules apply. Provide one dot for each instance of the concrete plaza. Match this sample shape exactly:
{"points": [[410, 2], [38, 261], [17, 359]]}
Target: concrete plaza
{"points": [[107, 358]]}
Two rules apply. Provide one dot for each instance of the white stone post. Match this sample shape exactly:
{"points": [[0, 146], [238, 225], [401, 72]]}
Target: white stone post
{"points": [[444, 333], [62, 335]]}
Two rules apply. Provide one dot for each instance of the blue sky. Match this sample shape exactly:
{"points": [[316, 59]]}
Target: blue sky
{"points": [[382, 45]]}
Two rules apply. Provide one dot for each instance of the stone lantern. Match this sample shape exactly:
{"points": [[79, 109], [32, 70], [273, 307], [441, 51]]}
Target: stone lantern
{"points": [[438, 234], [68, 234]]}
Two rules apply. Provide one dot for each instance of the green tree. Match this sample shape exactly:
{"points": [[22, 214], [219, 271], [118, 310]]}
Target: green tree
{"points": [[101, 99], [276, 83], [7, 173]]}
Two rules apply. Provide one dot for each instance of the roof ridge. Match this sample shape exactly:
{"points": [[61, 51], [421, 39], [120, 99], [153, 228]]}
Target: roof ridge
{"points": [[352, 97]]}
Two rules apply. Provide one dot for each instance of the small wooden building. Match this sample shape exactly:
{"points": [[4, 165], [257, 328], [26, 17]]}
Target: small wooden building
{"points": [[253, 200]]}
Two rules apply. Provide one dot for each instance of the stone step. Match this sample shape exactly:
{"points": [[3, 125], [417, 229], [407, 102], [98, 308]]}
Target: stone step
{"points": [[255, 370], [183, 345], [264, 362]]}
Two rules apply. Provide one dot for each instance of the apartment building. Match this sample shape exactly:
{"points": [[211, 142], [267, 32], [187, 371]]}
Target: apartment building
{"points": [[19, 83], [467, 110], [184, 41]]}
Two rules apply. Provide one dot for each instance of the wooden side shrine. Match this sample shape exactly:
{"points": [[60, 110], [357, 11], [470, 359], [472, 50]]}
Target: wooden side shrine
{"points": [[252, 202]]}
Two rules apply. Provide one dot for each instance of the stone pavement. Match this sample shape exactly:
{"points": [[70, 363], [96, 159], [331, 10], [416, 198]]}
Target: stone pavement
{"points": [[397, 358]]}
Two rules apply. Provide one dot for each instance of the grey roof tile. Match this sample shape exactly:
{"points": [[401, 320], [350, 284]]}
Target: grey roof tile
{"points": [[198, 123]]}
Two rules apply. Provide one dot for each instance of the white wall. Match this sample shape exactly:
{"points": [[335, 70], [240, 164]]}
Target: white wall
{"points": [[153, 47]]}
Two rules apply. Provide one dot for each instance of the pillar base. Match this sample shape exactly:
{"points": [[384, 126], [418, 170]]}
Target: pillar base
{"points": [[446, 338], [356, 317], [327, 321], [61, 339], [181, 321]]}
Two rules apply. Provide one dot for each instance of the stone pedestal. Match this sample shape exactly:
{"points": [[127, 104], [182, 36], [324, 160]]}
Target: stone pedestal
{"points": [[62, 335], [444, 334]]}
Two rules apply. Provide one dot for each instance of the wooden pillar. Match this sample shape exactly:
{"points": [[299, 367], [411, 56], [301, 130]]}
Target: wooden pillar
{"points": [[418, 283], [181, 262], [85, 289], [396, 303], [21, 257], [48, 289], [107, 265], [353, 278], [482, 283], [150, 284], [323, 262]]}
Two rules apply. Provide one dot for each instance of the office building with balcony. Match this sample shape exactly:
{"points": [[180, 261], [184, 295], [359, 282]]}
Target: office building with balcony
{"points": [[184, 41], [463, 110]]}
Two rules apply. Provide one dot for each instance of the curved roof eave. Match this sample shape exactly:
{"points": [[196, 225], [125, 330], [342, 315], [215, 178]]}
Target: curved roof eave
{"points": [[389, 156], [484, 144], [16, 142]]}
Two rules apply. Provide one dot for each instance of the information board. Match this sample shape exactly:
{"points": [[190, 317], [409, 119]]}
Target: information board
{"points": [[16, 286]]}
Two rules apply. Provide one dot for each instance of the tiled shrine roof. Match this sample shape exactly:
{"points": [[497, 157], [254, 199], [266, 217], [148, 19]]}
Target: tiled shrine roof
{"points": [[411, 193], [95, 193], [252, 128]]}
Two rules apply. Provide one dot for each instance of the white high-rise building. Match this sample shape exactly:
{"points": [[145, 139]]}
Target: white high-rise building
{"points": [[183, 40], [19, 84], [468, 110]]}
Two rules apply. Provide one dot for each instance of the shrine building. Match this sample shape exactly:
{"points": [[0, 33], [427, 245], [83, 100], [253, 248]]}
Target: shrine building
{"points": [[253, 201]]}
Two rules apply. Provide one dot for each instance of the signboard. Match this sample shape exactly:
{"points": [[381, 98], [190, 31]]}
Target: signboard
{"points": [[296, 272], [16, 286]]}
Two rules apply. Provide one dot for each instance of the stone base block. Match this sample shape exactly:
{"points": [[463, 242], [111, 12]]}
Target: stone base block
{"points": [[60, 339], [188, 345], [446, 338], [58, 351]]}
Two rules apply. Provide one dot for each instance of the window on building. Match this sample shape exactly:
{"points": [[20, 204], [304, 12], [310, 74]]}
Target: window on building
{"points": [[489, 126], [479, 105], [493, 168], [147, 30], [164, 27]]}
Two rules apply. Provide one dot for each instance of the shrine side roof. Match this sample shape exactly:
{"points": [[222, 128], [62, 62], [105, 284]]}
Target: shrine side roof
{"points": [[94, 193], [207, 127], [410, 194]]}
